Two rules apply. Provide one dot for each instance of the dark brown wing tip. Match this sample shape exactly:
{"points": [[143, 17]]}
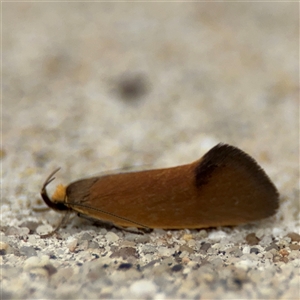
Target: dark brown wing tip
{"points": [[45, 197], [224, 154]]}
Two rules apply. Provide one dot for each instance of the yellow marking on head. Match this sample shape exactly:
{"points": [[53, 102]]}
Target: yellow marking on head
{"points": [[59, 194]]}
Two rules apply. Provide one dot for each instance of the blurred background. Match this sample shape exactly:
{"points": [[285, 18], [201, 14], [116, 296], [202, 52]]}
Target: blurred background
{"points": [[92, 87]]}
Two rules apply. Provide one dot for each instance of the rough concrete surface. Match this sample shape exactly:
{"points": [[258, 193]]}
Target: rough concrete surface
{"points": [[97, 86]]}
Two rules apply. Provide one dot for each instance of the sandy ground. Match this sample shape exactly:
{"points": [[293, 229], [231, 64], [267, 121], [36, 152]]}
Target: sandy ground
{"points": [[91, 87]]}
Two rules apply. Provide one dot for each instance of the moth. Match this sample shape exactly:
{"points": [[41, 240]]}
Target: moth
{"points": [[224, 187]]}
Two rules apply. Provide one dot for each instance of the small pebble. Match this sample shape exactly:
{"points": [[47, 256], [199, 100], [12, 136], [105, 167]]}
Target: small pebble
{"points": [[273, 251], [128, 244], [235, 251], [272, 246], [294, 247], [3, 246], [168, 261], [246, 250], [83, 245], [204, 247], [125, 253], [31, 225], [268, 255], [164, 251], [186, 248], [202, 234], [131, 237], [32, 239], [217, 262], [143, 238], [72, 244], [17, 231], [148, 249], [103, 231], [185, 260], [218, 235], [187, 237], [238, 253], [212, 251], [254, 250], [282, 243], [177, 268], [285, 259], [28, 251], [287, 239], [265, 241], [252, 239], [86, 236], [276, 258], [44, 229], [125, 266], [12, 250], [143, 288], [192, 243], [295, 237], [35, 262], [93, 245], [260, 233], [283, 252], [111, 237]]}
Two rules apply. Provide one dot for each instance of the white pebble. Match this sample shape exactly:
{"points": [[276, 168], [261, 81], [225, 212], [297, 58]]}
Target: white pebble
{"points": [[217, 235], [164, 251], [296, 262], [277, 231], [35, 261], [72, 243], [246, 250], [143, 288], [111, 237], [260, 233], [245, 264], [31, 239], [44, 229]]}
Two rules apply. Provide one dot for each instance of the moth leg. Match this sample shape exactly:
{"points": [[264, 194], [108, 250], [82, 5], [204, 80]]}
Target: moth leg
{"points": [[63, 222]]}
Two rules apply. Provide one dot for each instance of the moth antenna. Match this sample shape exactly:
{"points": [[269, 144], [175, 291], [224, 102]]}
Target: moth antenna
{"points": [[50, 178]]}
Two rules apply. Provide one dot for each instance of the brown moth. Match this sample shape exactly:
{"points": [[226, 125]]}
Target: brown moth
{"points": [[224, 187]]}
